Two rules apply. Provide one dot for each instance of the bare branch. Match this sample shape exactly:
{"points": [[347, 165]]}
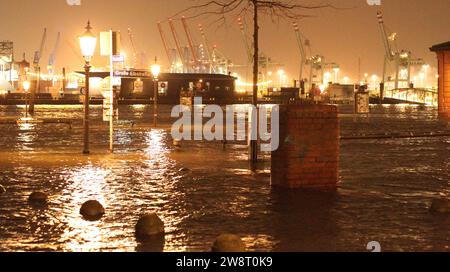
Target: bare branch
{"points": [[276, 9]]}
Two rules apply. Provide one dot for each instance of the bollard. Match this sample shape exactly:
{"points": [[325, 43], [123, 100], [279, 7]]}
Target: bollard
{"points": [[151, 244], [440, 206], [149, 226], [228, 243], [38, 198], [92, 210], [2, 189], [308, 155], [176, 143]]}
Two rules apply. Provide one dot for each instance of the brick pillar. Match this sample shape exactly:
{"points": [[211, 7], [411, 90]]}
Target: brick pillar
{"points": [[308, 155], [444, 83]]}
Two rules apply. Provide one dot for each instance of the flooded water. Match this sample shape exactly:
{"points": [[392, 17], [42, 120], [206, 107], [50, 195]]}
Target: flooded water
{"points": [[201, 190]]}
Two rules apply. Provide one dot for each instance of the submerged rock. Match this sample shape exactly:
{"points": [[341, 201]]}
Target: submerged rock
{"points": [[38, 198], [148, 226], [2, 189], [183, 170], [440, 206], [228, 243], [92, 210]]}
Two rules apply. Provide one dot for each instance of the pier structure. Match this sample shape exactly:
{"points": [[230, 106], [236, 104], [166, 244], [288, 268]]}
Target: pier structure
{"points": [[443, 54]]}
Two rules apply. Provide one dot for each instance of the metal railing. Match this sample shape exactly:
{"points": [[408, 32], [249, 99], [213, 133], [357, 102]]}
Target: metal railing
{"points": [[422, 96]]}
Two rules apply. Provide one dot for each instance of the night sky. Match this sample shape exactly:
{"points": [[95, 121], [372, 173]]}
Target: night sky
{"points": [[341, 35]]}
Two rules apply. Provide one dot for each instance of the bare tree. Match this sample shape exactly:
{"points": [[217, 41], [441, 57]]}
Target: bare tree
{"points": [[276, 9]]}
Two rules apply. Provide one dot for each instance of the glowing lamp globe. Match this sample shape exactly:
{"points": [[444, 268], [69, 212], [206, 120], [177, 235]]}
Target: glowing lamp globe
{"points": [[88, 42], [26, 86], [156, 70]]}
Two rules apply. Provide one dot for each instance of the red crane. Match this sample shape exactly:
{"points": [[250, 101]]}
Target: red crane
{"points": [[165, 43], [177, 42], [191, 43]]}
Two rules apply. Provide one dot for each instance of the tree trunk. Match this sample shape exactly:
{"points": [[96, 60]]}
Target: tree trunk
{"points": [[255, 53], [254, 142]]}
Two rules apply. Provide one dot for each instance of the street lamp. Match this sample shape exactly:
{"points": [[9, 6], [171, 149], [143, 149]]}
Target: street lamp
{"points": [[326, 78], [346, 79], [374, 81], [422, 79], [156, 70], [336, 74], [88, 42], [280, 74], [26, 87], [425, 68]]}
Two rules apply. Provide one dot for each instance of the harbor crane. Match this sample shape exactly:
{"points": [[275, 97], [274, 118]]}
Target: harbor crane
{"points": [[165, 44], [302, 49], [37, 67], [207, 49], [316, 63], [177, 44], [195, 57], [264, 61], [192, 47], [52, 57], [248, 47], [216, 60], [402, 59], [38, 54], [133, 47]]}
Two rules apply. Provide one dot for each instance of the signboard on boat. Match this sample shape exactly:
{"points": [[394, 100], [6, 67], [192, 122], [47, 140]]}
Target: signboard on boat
{"points": [[133, 74]]}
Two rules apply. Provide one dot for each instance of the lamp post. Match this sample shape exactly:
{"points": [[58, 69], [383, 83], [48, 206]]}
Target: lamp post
{"points": [[88, 42], [156, 69], [26, 87]]}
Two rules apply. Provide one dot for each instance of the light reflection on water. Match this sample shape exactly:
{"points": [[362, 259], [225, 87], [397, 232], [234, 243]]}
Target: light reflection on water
{"points": [[201, 190]]}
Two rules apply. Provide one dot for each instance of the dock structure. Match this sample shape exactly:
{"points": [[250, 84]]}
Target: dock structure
{"points": [[443, 54]]}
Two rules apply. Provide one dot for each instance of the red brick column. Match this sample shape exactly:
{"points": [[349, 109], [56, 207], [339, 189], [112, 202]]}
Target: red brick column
{"points": [[444, 83], [308, 155]]}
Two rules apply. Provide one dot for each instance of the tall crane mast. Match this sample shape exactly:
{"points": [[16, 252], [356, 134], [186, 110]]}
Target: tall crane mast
{"points": [[177, 42], [248, 47], [190, 41], [52, 58], [38, 54], [389, 54], [385, 36], [206, 46], [133, 47], [165, 43], [302, 50]]}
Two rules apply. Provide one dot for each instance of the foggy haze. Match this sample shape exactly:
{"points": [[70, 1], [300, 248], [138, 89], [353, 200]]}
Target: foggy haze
{"points": [[340, 35]]}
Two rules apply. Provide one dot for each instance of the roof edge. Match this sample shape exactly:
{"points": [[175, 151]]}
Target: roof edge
{"points": [[440, 47]]}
